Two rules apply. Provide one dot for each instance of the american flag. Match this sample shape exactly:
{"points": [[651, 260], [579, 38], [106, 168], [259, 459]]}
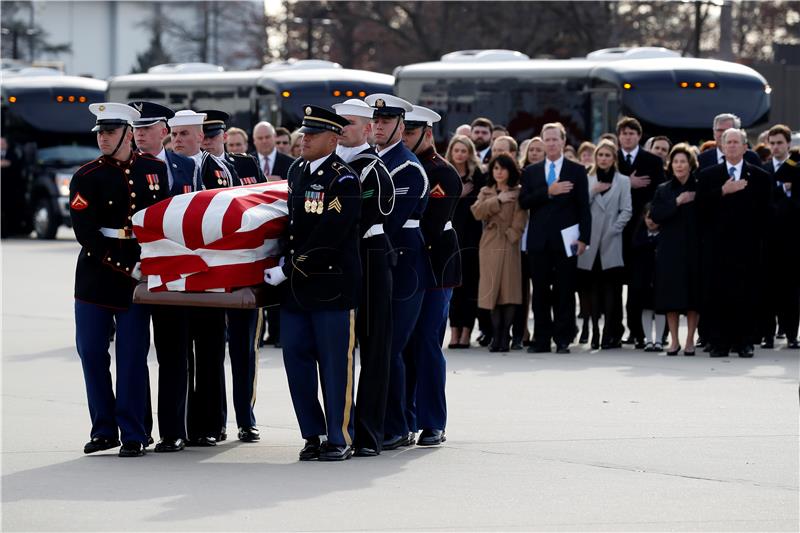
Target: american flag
{"points": [[214, 240]]}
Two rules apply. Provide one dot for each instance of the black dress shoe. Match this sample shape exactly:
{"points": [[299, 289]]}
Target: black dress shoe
{"points": [[201, 442], [793, 345], [584, 338], [166, 445], [310, 450], [249, 434], [746, 351], [484, 339], [366, 452], [629, 340], [516, 345], [149, 441], [701, 342], [223, 435], [431, 437], [395, 441], [131, 449], [562, 348], [768, 344], [463, 346], [675, 351], [639, 345], [335, 452], [718, 353], [533, 348], [98, 444]]}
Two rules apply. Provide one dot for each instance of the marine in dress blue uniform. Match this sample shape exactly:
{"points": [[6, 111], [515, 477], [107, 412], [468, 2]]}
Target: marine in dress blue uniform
{"points": [[374, 315], [104, 195], [426, 405], [412, 273], [244, 325], [321, 277], [170, 323]]}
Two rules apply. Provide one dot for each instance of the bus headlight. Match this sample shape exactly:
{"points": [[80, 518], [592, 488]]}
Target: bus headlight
{"points": [[62, 183]]}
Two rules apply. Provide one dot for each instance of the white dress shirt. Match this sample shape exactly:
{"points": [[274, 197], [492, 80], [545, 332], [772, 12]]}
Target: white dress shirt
{"points": [[347, 153], [738, 167], [559, 163], [633, 153], [315, 164], [720, 156], [385, 150], [269, 158]]}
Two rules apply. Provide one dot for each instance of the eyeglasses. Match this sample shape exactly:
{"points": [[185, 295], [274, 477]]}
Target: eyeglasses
{"points": [[282, 142]]}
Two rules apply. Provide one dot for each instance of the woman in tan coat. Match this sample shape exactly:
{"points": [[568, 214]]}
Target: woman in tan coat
{"points": [[500, 284]]}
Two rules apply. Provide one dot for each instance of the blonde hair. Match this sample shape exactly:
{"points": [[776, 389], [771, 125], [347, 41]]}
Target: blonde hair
{"points": [[555, 126], [472, 156], [603, 144]]}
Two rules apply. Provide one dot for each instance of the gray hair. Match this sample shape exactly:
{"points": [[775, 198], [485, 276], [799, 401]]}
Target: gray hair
{"points": [[269, 127], [737, 122], [741, 133]]}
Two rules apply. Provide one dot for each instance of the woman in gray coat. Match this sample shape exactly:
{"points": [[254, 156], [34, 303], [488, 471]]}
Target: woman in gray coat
{"points": [[610, 203]]}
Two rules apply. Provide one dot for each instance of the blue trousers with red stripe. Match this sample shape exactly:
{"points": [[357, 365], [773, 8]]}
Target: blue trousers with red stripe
{"points": [[121, 415]]}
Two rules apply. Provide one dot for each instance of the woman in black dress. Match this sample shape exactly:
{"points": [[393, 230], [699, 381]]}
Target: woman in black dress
{"points": [[677, 278], [464, 302]]}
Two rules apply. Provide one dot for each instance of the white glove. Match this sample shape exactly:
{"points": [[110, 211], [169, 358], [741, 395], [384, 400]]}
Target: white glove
{"points": [[137, 271], [274, 276]]}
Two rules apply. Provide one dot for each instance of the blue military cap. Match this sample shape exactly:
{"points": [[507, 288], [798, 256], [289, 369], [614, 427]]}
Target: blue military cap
{"points": [[388, 105], [318, 119], [150, 113], [215, 122]]}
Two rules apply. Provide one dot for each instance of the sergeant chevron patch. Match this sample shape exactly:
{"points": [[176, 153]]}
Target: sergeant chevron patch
{"points": [[335, 204], [438, 192], [368, 194], [401, 191]]}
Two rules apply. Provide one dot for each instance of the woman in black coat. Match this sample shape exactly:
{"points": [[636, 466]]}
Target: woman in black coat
{"points": [[677, 278], [464, 301]]}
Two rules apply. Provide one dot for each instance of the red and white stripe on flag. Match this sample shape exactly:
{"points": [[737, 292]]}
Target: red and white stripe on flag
{"points": [[212, 240]]}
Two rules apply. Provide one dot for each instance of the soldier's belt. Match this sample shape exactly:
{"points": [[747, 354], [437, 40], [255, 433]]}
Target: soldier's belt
{"points": [[411, 223], [376, 229], [117, 233]]}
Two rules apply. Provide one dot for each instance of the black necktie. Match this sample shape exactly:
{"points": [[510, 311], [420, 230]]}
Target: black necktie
{"points": [[628, 159]]}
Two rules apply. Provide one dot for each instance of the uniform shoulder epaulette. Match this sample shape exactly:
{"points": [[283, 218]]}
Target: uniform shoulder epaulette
{"points": [[240, 155], [791, 162], [90, 166], [342, 171]]}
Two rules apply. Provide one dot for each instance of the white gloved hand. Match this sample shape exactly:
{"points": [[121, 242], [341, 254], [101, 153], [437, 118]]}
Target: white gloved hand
{"points": [[274, 276], [137, 271]]}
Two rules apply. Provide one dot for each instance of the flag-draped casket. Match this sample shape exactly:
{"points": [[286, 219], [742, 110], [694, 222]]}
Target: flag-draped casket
{"points": [[215, 240]]}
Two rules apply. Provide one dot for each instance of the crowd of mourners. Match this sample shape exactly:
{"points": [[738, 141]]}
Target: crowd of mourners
{"points": [[711, 232]]}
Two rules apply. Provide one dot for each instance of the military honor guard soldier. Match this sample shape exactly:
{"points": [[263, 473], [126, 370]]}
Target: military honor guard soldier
{"points": [[204, 404], [426, 405], [412, 273], [374, 315], [104, 195], [170, 323], [322, 278], [244, 325]]}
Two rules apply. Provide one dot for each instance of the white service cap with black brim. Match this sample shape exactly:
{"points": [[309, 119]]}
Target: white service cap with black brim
{"points": [[354, 108], [187, 117], [421, 116], [388, 105], [111, 115]]}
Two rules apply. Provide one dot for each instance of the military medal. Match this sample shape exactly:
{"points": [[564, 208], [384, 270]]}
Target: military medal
{"points": [[307, 204], [320, 202], [152, 181], [220, 177]]}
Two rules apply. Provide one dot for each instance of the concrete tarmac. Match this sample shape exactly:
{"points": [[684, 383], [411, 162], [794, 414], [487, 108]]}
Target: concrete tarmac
{"points": [[616, 440]]}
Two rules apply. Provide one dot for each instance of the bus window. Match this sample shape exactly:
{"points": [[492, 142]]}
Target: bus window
{"points": [[604, 111], [523, 106]]}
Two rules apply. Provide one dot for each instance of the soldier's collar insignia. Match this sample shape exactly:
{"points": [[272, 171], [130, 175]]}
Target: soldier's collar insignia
{"points": [[308, 110]]}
